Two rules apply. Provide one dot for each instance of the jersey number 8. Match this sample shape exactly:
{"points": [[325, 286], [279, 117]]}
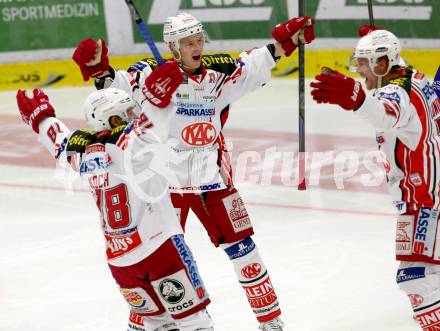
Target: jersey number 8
{"points": [[117, 208]]}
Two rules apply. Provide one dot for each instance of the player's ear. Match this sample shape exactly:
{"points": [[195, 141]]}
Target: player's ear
{"points": [[176, 55]]}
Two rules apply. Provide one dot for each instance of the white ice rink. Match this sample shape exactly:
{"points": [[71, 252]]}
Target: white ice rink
{"points": [[330, 251]]}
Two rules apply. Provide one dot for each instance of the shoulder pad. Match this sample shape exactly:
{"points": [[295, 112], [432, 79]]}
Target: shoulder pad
{"points": [[223, 63], [404, 80], [115, 134], [110, 137], [80, 139], [141, 65]]}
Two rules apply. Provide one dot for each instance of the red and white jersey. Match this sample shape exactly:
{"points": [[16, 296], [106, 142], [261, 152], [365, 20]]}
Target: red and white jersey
{"points": [[201, 105], [406, 113], [136, 211]]}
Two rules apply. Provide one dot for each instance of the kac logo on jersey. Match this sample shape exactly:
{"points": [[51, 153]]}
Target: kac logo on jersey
{"points": [[199, 134]]}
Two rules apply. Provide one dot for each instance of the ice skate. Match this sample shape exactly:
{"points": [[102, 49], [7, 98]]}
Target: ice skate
{"points": [[273, 325]]}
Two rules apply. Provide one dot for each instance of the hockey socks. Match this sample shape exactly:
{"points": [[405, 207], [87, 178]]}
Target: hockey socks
{"points": [[254, 279]]}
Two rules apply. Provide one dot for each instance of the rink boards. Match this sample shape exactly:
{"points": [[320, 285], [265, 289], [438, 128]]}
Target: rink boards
{"points": [[61, 73]]}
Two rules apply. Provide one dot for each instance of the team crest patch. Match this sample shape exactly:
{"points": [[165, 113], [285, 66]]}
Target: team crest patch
{"points": [[237, 212], [404, 232]]}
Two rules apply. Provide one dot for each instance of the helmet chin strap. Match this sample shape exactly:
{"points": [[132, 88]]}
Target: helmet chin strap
{"points": [[379, 81], [380, 77]]}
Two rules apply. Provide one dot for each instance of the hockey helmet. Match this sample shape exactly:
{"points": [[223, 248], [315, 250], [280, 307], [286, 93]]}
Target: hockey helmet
{"points": [[375, 45], [103, 104], [181, 26]]}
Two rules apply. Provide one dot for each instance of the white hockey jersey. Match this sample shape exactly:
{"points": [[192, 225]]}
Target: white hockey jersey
{"points": [[201, 105], [406, 113], [136, 211]]}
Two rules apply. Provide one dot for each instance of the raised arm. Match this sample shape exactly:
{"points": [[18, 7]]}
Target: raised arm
{"points": [[37, 112]]}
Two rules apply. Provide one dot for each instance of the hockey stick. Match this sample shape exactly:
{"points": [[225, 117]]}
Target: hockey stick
{"points": [[370, 12], [144, 31], [436, 83], [301, 114]]}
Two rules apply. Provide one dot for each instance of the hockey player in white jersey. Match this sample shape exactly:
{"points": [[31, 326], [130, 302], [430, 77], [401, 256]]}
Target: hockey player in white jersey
{"points": [[202, 179], [406, 112], [145, 249]]}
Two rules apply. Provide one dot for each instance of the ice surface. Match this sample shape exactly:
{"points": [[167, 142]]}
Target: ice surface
{"points": [[330, 252]]}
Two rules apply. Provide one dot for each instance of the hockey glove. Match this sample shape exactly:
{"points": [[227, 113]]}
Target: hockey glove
{"points": [[366, 29], [335, 88], [294, 31], [162, 83], [91, 57], [34, 110]]}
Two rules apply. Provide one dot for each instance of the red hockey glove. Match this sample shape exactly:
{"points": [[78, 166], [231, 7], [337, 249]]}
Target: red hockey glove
{"points": [[91, 57], [335, 88], [162, 82], [366, 29], [294, 31], [34, 110]]}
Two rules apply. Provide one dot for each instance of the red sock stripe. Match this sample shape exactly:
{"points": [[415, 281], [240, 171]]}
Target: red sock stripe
{"points": [[430, 320]]}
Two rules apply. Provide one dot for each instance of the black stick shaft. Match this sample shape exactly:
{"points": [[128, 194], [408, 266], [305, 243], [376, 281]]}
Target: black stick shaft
{"points": [[370, 12], [301, 107]]}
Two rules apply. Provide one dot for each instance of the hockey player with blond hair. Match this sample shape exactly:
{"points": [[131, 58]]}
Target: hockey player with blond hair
{"points": [[406, 113], [202, 178], [145, 248]]}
